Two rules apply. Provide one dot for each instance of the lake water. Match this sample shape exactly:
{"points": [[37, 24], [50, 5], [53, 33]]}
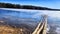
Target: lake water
{"points": [[18, 18]]}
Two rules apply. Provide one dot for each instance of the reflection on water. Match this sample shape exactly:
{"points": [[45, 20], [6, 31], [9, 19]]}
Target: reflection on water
{"points": [[15, 21], [18, 21]]}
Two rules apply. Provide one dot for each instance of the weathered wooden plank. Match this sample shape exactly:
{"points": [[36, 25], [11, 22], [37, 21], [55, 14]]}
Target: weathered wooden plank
{"points": [[42, 26]]}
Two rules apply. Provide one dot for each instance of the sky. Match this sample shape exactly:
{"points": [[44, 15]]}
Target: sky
{"points": [[44, 3]]}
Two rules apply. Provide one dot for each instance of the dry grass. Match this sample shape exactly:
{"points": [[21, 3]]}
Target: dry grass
{"points": [[11, 30]]}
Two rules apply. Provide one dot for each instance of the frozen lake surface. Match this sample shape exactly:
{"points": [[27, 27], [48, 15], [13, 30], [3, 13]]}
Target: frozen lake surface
{"points": [[17, 17]]}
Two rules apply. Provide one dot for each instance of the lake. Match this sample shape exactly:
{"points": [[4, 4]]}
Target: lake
{"points": [[30, 19]]}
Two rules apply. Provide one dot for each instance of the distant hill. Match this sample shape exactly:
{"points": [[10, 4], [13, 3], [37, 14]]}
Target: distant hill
{"points": [[17, 6]]}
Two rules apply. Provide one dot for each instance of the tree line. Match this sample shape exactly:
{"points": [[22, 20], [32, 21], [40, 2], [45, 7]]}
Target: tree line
{"points": [[18, 6]]}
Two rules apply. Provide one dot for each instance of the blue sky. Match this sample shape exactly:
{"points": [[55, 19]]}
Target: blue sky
{"points": [[44, 3]]}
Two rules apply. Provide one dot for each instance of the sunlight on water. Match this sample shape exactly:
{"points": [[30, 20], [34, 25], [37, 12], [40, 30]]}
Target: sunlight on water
{"points": [[24, 18]]}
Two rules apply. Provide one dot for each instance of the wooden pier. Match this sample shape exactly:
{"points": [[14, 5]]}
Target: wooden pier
{"points": [[42, 26]]}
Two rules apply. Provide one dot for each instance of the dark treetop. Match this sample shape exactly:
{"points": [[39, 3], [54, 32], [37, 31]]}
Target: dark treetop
{"points": [[17, 6]]}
